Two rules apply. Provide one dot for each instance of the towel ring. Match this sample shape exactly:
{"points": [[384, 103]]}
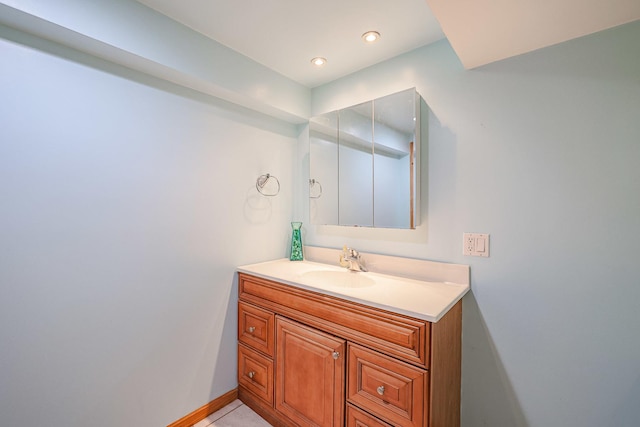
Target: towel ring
{"points": [[313, 183], [261, 183]]}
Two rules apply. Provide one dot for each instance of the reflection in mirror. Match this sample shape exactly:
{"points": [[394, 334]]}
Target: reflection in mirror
{"points": [[365, 158], [355, 165], [393, 180], [323, 168]]}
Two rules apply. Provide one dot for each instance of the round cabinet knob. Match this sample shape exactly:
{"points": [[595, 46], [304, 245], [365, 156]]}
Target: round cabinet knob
{"points": [[252, 329], [336, 355], [380, 390], [251, 374]]}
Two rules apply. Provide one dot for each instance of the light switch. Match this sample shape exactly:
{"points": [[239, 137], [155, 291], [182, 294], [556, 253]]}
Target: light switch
{"points": [[475, 244]]}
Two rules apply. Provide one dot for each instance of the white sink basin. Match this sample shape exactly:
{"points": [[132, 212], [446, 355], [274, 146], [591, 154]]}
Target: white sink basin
{"points": [[338, 279]]}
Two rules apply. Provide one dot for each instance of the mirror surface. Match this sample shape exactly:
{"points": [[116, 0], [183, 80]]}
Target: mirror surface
{"points": [[363, 163]]}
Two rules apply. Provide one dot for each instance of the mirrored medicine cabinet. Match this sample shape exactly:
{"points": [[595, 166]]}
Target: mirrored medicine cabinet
{"points": [[364, 163]]}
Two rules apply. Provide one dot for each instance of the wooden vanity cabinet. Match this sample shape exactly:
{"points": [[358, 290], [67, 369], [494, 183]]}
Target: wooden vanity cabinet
{"points": [[310, 359]]}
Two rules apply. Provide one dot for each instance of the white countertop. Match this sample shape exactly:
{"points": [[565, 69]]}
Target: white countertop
{"points": [[427, 300]]}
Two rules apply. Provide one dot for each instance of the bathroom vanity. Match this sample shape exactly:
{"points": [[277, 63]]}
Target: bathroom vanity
{"points": [[322, 346]]}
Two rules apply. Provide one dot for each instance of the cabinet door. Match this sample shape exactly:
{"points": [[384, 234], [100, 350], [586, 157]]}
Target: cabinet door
{"points": [[310, 369]]}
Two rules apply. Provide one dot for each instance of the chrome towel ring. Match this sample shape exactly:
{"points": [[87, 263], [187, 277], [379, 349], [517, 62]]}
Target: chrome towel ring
{"points": [[266, 189]]}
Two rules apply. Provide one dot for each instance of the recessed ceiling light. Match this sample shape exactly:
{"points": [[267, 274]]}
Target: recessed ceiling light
{"points": [[371, 36], [319, 61]]}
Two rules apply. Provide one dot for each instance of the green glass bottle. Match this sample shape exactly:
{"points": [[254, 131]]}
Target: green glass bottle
{"points": [[296, 242]]}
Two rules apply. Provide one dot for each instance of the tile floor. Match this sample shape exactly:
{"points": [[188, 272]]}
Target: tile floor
{"points": [[235, 414]]}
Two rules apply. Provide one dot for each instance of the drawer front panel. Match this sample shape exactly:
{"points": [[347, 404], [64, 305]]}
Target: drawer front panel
{"points": [[401, 336], [256, 328], [393, 390], [255, 373], [359, 418]]}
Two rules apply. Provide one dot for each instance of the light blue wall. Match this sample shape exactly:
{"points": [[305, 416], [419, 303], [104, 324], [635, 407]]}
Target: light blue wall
{"points": [[542, 151], [126, 204]]}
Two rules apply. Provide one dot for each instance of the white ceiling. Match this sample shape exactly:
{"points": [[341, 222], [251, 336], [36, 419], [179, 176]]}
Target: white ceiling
{"points": [[285, 34]]}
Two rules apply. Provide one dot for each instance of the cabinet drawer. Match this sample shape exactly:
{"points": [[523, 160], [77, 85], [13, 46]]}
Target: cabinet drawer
{"points": [[359, 418], [393, 390], [255, 373], [256, 327], [400, 336]]}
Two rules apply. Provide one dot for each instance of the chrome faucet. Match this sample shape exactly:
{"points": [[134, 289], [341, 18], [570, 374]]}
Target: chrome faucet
{"points": [[351, 259]]}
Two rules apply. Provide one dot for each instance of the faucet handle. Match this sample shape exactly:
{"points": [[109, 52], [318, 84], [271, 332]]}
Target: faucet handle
{"points": [[349, 252], [343, 262]]}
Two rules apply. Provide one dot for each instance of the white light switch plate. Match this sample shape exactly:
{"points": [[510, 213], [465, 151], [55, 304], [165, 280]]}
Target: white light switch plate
{"points": [[475, 244]]}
